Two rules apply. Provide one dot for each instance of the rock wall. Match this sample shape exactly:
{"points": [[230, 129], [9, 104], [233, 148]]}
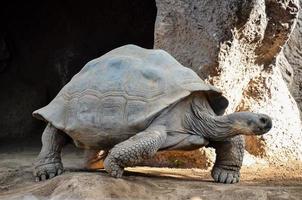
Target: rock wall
{"points": [[293, 53], [236, 45]]}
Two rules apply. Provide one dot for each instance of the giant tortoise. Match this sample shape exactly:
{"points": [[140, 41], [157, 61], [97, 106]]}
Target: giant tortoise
{"points": [[133, 102]]}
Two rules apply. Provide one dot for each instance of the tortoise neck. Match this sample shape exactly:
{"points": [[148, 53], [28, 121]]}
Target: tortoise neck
{"points": [[202, 121]]}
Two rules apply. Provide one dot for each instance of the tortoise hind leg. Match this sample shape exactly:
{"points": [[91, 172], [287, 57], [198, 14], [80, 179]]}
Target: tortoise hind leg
{"points": [[142, 146], [48, 163]]}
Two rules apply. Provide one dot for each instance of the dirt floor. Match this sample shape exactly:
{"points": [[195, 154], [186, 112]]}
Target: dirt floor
{"points": [[17, 182]]}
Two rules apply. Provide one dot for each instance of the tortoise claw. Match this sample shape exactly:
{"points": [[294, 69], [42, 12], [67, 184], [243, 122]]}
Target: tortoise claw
{"points": [[113, 168], [48, 171], [221, 175]]}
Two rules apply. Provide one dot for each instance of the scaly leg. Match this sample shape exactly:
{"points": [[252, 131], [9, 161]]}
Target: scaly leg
{"points": [[229, 157], [142, 146], [49, 162]]}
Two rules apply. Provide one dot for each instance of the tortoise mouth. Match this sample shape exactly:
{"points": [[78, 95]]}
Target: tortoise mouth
{"points": [[262, 131]]}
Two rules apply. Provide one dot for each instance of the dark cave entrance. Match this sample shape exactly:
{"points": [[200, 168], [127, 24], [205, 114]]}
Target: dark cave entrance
{"points": [[44, 43]]}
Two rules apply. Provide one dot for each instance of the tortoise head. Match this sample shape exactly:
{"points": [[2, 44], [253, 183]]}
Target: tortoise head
{"points": [[248, 123], [218, 128]]}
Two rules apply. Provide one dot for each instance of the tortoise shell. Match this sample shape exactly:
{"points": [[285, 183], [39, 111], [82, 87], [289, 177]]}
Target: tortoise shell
{"points": [[122, 91]]}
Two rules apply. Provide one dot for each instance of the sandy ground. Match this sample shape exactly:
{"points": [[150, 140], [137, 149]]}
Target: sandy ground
{"points": [[17, 182]]}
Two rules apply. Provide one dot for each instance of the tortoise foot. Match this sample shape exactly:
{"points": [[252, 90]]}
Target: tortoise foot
{"points": [[113, 168], [222, 175], [48, 171]]}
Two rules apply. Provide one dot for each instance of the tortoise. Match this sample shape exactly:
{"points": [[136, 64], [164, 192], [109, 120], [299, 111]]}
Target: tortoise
{"points": [[133, 102]]}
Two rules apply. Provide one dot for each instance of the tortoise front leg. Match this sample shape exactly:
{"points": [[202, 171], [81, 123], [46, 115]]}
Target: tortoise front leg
{"points": [[142, 146], [229, 157], [48, 163]]}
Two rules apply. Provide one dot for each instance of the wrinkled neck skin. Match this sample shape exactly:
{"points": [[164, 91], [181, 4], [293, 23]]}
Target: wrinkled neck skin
{"points": [[201, 120]]}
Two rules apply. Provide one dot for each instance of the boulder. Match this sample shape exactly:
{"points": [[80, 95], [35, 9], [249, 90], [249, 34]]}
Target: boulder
{"points": [[236, 45], [18, 183]]}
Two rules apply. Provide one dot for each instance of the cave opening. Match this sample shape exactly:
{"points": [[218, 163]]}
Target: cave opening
{"points": [[44, 43]]}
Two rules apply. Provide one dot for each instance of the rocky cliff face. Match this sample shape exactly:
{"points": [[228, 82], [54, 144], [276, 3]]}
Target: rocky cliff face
{"points": [[293, 53], [236, 45]]}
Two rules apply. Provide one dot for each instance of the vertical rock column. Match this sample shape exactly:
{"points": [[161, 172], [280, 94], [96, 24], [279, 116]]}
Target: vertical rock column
{"points": [[236, 46], [293, 53]]}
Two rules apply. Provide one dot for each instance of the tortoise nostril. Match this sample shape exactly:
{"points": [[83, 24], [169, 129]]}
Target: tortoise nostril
{"points": [[263, 120]]}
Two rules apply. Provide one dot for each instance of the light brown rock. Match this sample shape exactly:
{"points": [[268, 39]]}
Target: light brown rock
{"points": [[236, 45], [17, 182]]}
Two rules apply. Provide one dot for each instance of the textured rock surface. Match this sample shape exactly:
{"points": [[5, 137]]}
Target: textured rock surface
{"points": [[236, 45], [17, 182], [293, 53]]}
